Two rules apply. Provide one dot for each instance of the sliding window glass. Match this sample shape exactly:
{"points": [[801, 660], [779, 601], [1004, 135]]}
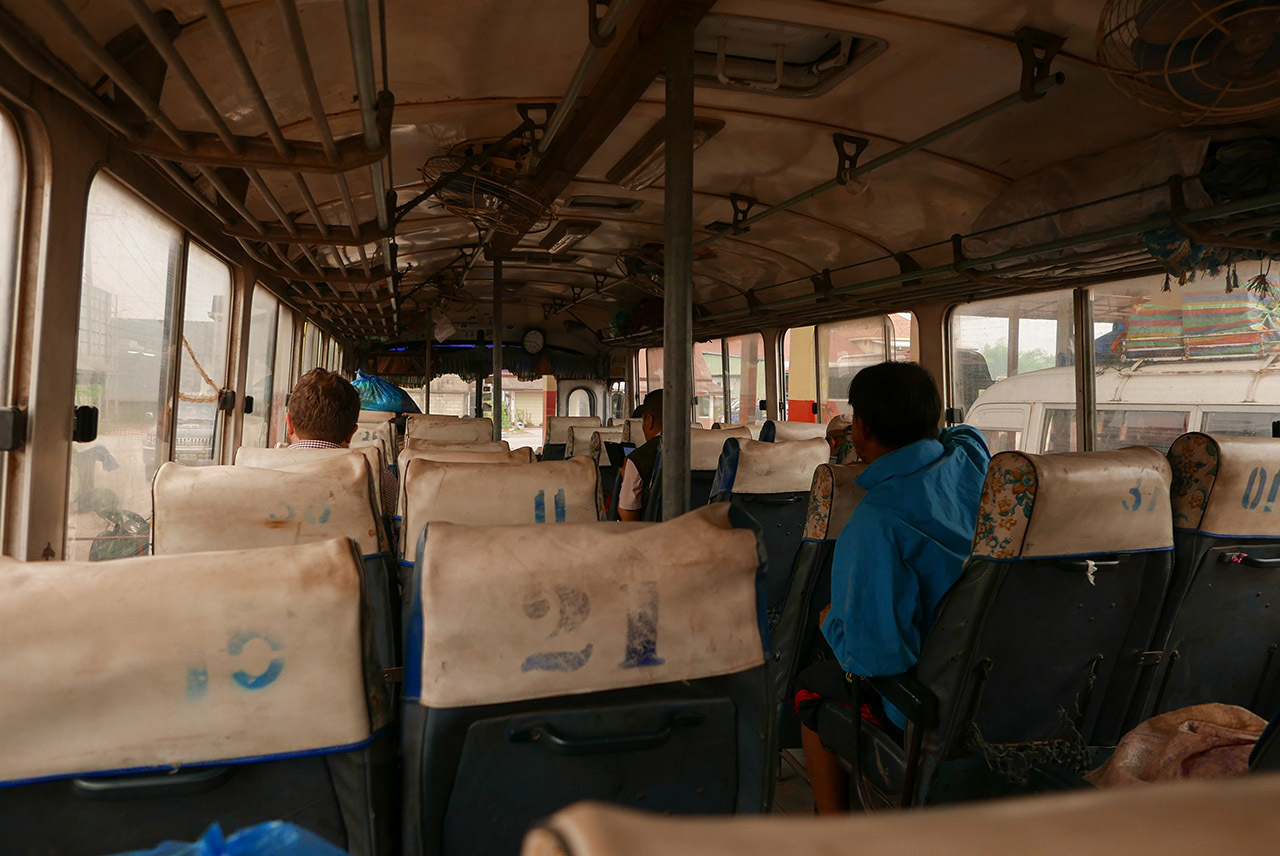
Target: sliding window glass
{"points": [[203, 357], [124, 367], [260, 376], [1012, 371], [282, 376], [844, 349], [11, 193], [1195, 357]]}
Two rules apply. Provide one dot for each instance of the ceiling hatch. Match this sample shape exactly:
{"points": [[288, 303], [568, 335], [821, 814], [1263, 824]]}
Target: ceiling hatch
{"points": [[777, 57]]}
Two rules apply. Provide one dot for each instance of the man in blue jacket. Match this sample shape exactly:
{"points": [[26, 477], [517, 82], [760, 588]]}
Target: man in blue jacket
{"points": [[899, 554]]}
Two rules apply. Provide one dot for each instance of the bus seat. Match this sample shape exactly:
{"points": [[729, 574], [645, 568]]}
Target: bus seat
{"points": [[275, 459], [771, 482], [704, 457], [555, 434], [1220, 631], [619, 662], [753, 428], [778, 432], [379, 434], [578, 439], [1182, 819], [1082, 542], [448, 429], [606, 449], [375, 416], [796, 640], [199, 509], [482, 495], [633, 431], [436, 445], [145, 703]]}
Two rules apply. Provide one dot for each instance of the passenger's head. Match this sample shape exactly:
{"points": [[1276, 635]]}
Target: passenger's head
{"points": [[894, 405], [323, 406], [651, 414], [638, 413], [837, 428]]}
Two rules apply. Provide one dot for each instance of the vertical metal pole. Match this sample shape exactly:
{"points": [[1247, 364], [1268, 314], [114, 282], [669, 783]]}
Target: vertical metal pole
{"points": [[677, 328], [497, 349], [426, 362], [1086, 403]]}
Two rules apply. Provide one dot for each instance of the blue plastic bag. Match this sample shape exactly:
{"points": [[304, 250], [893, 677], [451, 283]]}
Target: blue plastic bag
{"points": [[275, 838], [378, 394]]}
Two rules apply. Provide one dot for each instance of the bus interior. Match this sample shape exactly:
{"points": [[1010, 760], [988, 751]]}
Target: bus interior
{"points": [[528, 215]]}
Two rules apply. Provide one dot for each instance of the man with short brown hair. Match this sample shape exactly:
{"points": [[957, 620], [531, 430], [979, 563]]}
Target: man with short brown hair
{"points": [[323, 413]]}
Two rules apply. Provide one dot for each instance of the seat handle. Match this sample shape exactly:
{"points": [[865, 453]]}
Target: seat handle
{"points": [[1247, 560], [146, 785], [561, 744]]}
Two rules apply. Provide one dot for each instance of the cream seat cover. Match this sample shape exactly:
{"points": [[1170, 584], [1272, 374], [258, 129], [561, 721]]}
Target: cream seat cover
{"points": [[482, 495], [752, 428], [481, 446], [279, 459], [556, 428], [705, 449], [778, 467], [159, 661], [1226, 485], [376, 416], [449, 429], [787, 431], [211, 508], [1172, 819], [1074, 504], [578, 443], [633, 431], [832, 498], [379, 434], [585, 608]]}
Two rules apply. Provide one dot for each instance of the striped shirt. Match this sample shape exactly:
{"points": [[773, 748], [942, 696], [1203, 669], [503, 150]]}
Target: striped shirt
{"points": [[390, 484]]}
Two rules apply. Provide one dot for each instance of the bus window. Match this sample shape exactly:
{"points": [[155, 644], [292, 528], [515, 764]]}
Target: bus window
{"points": [[203, 356], [132, 258], [1016, 350], [648, 372], [799, 394], [452, 396], [259, 375], [11, 184], [745, 373], [844, 349], [310, 347], [1158, 428], [708, 382], [1237, 423], [281, 376], [1002, 440], [581, 403]]}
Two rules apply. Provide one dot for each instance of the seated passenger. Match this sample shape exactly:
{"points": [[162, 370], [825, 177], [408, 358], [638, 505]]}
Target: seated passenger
{"points": [[899, 554], [837, 431], [323, 413], [637, 471]]}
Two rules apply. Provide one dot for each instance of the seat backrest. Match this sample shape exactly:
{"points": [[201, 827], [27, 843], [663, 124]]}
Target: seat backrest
{"points": [[436, 445], [771, 482], [704, 457], [379, 434], [604, 675], [484, 495], [778, 432], [376, 416], [243, 680], [1191, 818], [633, 431], [1043, 636], [752, 428], [1219, 632], [276, 459], [579, 442], [833, 496], [448, 429], [555, 429]]}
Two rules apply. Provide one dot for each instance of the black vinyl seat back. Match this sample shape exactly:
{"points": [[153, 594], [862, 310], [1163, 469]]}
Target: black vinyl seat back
{"points": [[594, 682], [796, 638], [1221, 629], [1044, 639], [704, 458], [770, 481], [238, 687]]}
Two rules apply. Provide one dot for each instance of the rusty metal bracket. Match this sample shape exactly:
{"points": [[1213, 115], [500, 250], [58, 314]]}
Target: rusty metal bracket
{"points": [[593, 24], [600, 279], [742, 206], [822, 282], [536, 127], [1177, 213], [1037, 48], [848, 159]]}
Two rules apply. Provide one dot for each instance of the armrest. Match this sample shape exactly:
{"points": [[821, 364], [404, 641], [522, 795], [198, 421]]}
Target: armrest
{"points": [[916, 701]]}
